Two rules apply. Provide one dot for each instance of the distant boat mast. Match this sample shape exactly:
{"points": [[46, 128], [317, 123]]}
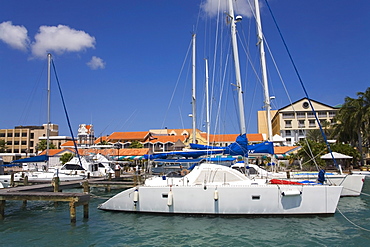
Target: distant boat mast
{"points": [[48, 107], [193, 101]]}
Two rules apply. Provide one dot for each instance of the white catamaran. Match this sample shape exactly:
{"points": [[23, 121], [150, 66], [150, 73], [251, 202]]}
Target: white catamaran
{"points": [[213, 189]]}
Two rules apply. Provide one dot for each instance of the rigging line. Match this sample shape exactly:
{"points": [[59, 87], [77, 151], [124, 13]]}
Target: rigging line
{"points": [[177, 83], [214, 64], [129, 118], [354, 224], [309, 148], [31, 96], [65, 111], [301, 82], [182, 122]]}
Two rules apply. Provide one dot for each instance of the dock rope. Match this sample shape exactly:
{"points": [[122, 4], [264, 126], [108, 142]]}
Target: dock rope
{"points": [[354, 224]]}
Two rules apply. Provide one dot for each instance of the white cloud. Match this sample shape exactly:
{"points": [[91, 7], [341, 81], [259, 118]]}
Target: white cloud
{"points": [[60, 39], [96, 63], [15, 36], [241, 7]]}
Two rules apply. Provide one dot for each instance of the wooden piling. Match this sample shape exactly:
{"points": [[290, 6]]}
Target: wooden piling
{"points": [[12, 184], [86, 187], [72, 212], [2, 209], [55, 183], [86, 211], [25, 181]]}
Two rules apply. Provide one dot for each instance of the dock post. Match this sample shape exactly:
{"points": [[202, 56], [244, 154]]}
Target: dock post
{"points": [[55, 183], [86, 210], [12, 184], [2, 209], [25, 181], [72, 211], [86, 187]]}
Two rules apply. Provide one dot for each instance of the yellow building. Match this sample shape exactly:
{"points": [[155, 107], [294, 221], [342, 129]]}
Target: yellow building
{"points": [[293, 121], [22, 140]]}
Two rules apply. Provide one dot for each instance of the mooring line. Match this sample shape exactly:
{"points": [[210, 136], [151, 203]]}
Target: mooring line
{"points": [[354, 224]]}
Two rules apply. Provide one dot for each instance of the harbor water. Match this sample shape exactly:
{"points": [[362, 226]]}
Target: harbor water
{"points": [[42, 224]]}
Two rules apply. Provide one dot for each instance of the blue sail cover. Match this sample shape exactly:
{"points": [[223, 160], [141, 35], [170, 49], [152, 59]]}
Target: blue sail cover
{"points": [[264, 147], [40, 158], [189, 154], [240, 146]]}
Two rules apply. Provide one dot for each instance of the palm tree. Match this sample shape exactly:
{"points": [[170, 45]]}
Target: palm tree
{"points": [[3, 146], [42, 145], [353, 121]]}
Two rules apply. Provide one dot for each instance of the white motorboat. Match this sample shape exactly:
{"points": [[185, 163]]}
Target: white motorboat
{"points": [[48, 176], [97, 166], [211, 189]]}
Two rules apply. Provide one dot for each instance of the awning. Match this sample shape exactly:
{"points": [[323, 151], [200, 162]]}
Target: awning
{"points": [[40, 158], [336, 156], [137, 157]]}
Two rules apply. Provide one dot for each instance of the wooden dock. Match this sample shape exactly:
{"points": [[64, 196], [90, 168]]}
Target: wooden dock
{"points": [[41, 191]]}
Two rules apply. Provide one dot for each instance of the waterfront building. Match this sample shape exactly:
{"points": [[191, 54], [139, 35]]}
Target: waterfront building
{"points": [[292, 122], [22, 140]]}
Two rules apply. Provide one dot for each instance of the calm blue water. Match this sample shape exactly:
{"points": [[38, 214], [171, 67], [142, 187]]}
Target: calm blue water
{"points": [[41, 224]]}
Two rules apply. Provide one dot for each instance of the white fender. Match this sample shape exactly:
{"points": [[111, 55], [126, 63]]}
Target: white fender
{"points": [[170, 198], [136, 195], [215, 195]]}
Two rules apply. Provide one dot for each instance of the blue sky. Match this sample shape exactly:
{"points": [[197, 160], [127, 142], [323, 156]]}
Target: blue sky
{"points": [[119, 62]]}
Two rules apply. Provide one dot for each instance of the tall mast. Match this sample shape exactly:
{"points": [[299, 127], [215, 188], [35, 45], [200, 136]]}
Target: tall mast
{"points": [[243, 128], [193, 101], [48, 103], [264, 71], [207, 103]]}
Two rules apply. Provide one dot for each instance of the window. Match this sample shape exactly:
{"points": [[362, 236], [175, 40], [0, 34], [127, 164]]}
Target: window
{"points": [[10, 134], [288, 123], [311, 123], [17, 134], [32, 135], [9, 143], [301, 124], [16, 142], [301, 115], [24, 134], [24, 143], [288, 133], [331, 113], [310, 115], [301, 132], [322, 114], [2, 134], [288, 115], [288, 140]]}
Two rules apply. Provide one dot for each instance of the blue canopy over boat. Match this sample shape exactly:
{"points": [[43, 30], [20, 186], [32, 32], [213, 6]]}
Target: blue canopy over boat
{"points": [[187, 154], [264, 148], [39, 158], [241, 147]]}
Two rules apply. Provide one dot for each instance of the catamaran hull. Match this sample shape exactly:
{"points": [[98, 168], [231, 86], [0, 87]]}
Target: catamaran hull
{"points": [[228, 200], [352, 184]]}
